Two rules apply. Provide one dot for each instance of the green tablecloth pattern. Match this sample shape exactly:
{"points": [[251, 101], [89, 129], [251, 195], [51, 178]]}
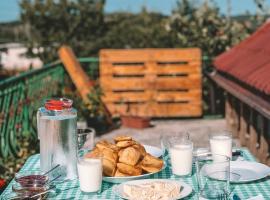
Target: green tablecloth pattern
{"points": [[71, 190]]}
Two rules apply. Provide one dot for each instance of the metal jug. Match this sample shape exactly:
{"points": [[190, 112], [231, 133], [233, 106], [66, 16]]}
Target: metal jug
{"points": [[57, 132]]}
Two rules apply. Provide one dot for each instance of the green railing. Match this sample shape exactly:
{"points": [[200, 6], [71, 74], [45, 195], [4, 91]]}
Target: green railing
{"points": [[19, 99]]}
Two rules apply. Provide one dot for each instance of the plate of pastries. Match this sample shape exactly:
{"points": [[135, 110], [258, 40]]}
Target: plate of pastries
{"points": [[125, 159]]}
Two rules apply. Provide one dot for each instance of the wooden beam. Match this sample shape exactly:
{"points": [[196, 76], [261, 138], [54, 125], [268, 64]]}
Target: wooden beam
{"points": [[76, 73], [254, 101]]}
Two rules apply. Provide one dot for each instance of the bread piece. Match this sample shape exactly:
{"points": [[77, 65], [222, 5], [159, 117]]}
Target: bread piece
{"points": [[109, 167], [120, 152], [151, 161], [110, 155], [124, 144], [130, 156], [128, 169], [140, 148], [93, 154], [150, 169], [122, 138], [120, 174]]}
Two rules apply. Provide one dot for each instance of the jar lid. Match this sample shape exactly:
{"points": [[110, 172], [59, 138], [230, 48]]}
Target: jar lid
{"points": [[58, 104]]}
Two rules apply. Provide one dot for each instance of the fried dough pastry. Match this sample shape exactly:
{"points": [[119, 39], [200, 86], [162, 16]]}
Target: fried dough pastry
{"points": [[122, 138], [151, 161], [128, 169], [110, 155], [140, 148], [150, 169], [120, 174], [93, 154], [109, 167], [130, 156], [124, 144]]}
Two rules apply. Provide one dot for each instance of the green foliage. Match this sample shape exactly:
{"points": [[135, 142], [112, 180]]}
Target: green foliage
{"points": [[54, 23]]}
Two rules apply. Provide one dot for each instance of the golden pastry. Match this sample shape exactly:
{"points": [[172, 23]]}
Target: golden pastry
{"points": [[120, 174], [130, 156], [122, 138], [124, 144], [109, 167], [152, 161], [128, 169]]}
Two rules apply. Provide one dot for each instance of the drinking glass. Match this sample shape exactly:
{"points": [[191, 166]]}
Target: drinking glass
{"points": [[180, 152], [213, 176], [164, 140], [86, 138], [90, 174], [221, 143]]}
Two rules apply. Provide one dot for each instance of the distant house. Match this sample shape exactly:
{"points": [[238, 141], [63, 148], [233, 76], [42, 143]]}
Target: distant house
{"points": [[13, 58]]}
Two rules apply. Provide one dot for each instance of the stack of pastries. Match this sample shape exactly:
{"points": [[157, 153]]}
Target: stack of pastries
{"points": [[126, 157]]}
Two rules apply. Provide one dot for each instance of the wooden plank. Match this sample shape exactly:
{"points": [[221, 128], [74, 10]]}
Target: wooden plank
{"points": [[109, 83], [191, 95], [109, 69], [157, 110], [160, 55], [75, 71]]}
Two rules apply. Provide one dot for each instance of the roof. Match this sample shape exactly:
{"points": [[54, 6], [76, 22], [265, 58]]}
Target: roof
{"points": [[249, 61]]}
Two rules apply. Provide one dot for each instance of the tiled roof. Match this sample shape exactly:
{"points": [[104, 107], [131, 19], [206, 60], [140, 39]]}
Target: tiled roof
{"points": [[249, 61]]}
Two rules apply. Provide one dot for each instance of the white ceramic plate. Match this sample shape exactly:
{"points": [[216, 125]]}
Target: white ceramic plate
{"points": [[247, 171], [184, 191], [154, 151], [112, 179]]}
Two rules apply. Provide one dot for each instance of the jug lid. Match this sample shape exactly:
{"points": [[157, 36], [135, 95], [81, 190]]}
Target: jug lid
{"points": [[58, 104]]}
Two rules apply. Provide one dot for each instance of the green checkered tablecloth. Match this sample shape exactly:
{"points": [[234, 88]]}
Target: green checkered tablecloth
{"points": [[71, 190]]}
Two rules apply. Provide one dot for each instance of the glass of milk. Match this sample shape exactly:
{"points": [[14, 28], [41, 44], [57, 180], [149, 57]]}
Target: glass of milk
{"points": [[90, 174], [180, 151], [221, 143]]}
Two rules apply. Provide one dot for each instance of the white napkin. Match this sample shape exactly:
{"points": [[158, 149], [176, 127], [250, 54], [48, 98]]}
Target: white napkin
{"points": [[258, 197]]}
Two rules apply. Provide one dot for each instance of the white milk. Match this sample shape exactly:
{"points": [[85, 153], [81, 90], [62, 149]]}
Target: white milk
{"points": [[90, 174], [181, 159], [222, 145]]}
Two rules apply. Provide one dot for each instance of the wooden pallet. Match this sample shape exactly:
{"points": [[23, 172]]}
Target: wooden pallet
{"points": [[152, 82]]}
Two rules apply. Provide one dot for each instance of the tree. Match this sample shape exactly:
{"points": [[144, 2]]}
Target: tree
{"points": [[53, 23]]}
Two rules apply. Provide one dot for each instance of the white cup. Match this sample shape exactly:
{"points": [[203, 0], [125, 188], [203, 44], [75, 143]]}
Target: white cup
{"points": [[90, 174], [221, 143], [181, 157]]}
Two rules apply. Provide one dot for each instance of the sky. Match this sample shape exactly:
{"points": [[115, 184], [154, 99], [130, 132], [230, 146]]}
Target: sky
{"points": [[9, 9]]}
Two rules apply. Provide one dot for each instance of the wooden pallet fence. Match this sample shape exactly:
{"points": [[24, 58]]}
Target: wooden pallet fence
{"points": [[152, 82]]}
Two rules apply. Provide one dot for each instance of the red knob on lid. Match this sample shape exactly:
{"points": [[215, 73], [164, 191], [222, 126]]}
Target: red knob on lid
{"points": [[58, 104]]}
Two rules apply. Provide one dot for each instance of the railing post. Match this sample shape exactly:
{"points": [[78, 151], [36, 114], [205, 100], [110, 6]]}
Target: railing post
{"points": [[253, 135], [231, 115], [243, 125]]}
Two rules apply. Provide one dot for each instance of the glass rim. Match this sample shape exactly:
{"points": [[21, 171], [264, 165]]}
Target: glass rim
{"points": [[211, 156], [220, 133], [182, 144]]}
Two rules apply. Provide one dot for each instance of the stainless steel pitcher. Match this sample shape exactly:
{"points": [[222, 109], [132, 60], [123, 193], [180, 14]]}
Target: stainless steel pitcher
{"points": [[57, 132]]}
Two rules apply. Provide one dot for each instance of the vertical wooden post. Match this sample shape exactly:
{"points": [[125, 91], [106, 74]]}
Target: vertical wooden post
{"points": [[243, 125], [263, 151], [228, 112], [253, 135], [231, 115]]}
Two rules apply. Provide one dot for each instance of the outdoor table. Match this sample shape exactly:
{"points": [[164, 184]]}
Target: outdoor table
{"points": [[71, 190]]}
